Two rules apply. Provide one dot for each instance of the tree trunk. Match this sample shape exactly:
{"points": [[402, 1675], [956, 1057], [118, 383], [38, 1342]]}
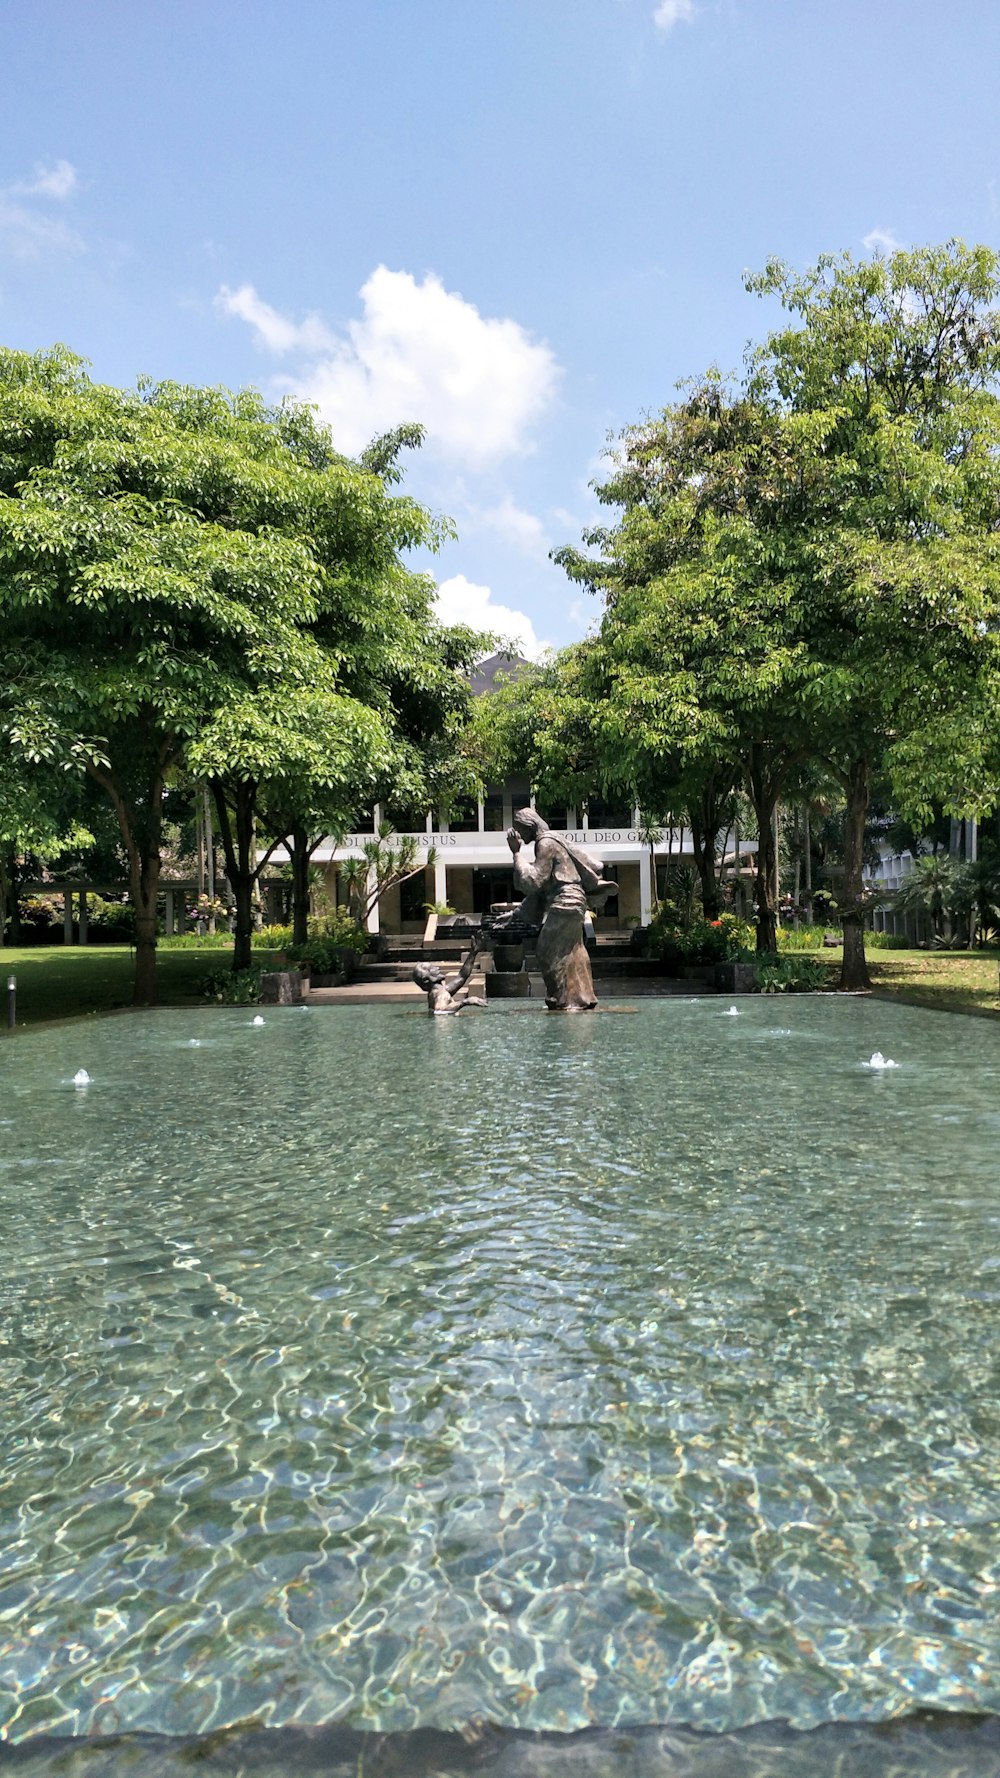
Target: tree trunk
{"points": [[300, 885], [241, 868], [854, 973], [243, 923], [703, 817], [10, 883], [144, 879], [140, 823], [764, 787], [704, 859]]}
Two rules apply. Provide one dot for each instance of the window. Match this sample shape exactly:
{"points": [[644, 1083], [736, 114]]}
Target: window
{"points": [[609, 816], [413, 897], [464, 817], [493, 821], [492, 883], [406, 820]]}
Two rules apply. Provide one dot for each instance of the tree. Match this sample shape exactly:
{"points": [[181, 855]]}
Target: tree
{"points": [[697, 670], [382, 866], [267, 754], [888, 386], [192, 580], [42, 813], [806, 568]]}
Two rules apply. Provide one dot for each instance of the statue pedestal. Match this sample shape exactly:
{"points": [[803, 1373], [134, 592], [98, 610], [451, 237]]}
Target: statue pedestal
{"points": [[516, 985]]}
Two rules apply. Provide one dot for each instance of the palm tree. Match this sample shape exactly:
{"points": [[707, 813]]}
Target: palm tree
{"points": [[934, 888]]}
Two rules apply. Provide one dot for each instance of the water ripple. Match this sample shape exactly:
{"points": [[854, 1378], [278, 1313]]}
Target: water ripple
{"points": [[556, 1372]]}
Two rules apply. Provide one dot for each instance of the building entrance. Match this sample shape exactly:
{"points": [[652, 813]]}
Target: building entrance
{"points": [[492, 883]]}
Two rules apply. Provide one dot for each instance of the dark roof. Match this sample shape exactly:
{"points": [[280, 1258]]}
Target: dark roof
{"points": [[484, 676]]}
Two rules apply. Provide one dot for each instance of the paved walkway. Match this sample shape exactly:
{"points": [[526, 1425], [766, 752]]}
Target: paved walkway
{"points": [[363, 993]]}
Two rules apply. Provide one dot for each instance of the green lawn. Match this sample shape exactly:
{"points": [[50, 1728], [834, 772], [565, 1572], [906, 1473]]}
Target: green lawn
{"points": [[948, 981], [64, 982], [68, 981]]}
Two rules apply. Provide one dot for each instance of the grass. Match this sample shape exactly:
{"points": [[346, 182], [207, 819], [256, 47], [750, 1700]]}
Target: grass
{"points": [[946, 981], [943, 981], [69, 981]]}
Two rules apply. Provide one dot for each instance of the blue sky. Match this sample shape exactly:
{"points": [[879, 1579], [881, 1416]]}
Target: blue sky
{"points": [[518, 221]]}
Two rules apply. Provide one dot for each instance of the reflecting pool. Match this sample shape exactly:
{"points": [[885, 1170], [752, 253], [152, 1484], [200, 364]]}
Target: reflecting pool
{"points": [[633, 1369]]}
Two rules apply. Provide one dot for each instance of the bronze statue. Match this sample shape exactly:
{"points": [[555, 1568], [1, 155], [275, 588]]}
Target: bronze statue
{"points": [[555, 889], [448, 996]]}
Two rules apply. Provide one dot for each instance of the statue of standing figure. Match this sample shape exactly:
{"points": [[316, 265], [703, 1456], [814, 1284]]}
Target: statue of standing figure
{"points": [[555, 889]]}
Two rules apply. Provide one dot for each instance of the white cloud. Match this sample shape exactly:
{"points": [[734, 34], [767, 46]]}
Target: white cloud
{"points": [[461, 601], [417, 352], [521, 529], [274, 331], [881, 240], [673, 12], [26, 231], [59, 181]]}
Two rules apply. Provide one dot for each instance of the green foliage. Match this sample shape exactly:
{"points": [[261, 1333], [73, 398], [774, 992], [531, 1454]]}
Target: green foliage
{"points": [[233, 987], [271, 938], [110, 920], [788, 975], [331, 941], [191, 580], [803, 938], [197, 941], [700, 941], [887, 941], [386, 860], [739, 935]]}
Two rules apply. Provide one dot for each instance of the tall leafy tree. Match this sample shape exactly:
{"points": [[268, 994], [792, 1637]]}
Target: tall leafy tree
{"points": [[806, 568], [189, 578], [698, 670], [886, 380]]}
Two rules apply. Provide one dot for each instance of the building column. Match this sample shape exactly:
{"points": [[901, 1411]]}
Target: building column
{"points": [[67, 916], [84, 922], [372, 922], [440, 881], [645, 888], [168, 916]]}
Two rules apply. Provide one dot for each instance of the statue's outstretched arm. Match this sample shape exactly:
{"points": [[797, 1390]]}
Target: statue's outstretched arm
{"points": [[456, 983]]}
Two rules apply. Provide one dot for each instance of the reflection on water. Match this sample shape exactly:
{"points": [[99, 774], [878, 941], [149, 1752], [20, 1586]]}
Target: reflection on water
{"points": [[923, 1745], [556, 1372]]}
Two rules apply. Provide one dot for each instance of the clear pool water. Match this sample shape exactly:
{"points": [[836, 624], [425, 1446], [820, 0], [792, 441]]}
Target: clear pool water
{"points": [[619, 1370]]}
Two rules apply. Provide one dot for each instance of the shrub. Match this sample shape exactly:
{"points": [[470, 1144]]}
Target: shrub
{"points": [[196, 941], [271, 938], [702, 941], [887, 941], [802, 938], [740, 936], [239, 987], [41, 920], [788, 975], [329, 941]]}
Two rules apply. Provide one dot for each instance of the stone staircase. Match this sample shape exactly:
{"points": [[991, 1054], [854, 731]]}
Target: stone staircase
{"points": [[611, 958]]}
